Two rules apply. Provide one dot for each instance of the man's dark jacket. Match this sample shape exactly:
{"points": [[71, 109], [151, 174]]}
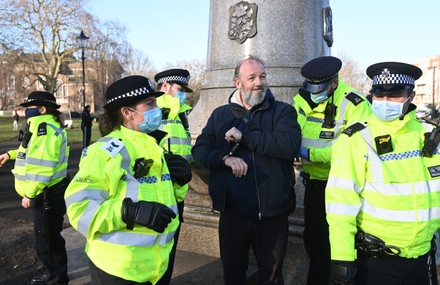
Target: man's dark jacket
{"points": [[271, 138]]}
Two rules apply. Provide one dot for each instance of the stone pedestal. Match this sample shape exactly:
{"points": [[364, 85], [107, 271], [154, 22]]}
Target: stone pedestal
{"points": [[288, 34]]}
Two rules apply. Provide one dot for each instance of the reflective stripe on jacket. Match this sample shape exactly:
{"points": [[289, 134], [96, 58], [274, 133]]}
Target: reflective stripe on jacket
{"points": [[394, 196], [44, 162], [178, 139], [320, 140], [94, 204]]}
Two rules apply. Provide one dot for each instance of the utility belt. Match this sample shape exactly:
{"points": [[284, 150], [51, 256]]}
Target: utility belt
{"points": [[372, 246]]}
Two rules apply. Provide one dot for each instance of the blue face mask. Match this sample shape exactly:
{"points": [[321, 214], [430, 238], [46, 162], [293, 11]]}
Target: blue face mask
{"points": [[318, 98], [387, 111], [31, 112], [152, 120], [182, 97]]}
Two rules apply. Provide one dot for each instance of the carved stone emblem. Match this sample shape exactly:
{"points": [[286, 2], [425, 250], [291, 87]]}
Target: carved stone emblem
{"points": [[242, 21], [328, 26]]}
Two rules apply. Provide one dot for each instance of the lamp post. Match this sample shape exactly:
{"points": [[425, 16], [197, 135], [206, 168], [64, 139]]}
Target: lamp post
{"points": [[82, 42], [433, 87]]}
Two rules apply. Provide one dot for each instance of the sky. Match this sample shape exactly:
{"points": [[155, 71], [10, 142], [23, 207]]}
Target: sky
{"points": [[366, 32]]}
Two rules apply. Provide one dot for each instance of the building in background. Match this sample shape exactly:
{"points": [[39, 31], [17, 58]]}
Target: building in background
{"points": [[427, 87], [16, 82]]}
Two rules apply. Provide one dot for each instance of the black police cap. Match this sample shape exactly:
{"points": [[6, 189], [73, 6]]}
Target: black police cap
{"points": [[41, 98], [319, 72], [179, 76], [129, 90], [392, 77]]}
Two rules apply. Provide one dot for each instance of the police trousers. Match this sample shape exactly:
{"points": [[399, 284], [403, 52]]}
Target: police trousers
{"points": [[387, 270], [268, 239], [316, 236], [50, 244]]}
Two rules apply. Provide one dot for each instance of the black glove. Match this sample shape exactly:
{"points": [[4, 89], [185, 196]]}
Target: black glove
{"points": [[152, 215], [342, 272], [180, 170]]}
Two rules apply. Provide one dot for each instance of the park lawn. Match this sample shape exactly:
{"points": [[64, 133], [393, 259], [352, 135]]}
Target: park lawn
{"points": [[74, 134]]}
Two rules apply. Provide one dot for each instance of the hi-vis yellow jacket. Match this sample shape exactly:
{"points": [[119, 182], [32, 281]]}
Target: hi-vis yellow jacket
{"points": [[94, 204], [178, 139], [351, 107], [393, 193], [44, 162]]}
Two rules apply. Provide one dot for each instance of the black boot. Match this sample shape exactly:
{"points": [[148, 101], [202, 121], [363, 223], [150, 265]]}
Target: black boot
{"points": [[39, 280]]}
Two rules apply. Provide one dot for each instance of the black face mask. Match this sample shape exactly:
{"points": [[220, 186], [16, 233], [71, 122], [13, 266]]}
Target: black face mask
{"points": [[32, 112]]}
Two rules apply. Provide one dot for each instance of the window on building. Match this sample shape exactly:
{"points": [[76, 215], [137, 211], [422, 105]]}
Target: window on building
{"points": [[59, 89], [25, 83], [11, 83]]}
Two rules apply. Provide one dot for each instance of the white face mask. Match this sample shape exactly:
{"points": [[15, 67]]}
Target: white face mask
{"points": [[387, 111]]}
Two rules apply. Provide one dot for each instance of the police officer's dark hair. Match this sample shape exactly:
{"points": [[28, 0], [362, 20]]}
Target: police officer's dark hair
{"points": [[240, 63], [110, 121], [56, 114]]}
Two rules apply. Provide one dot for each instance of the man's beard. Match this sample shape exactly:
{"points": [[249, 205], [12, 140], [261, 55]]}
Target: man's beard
{"points": [[253, 100]]}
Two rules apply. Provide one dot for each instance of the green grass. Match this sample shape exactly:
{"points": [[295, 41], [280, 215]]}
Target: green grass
{"points": [[74, 134]]}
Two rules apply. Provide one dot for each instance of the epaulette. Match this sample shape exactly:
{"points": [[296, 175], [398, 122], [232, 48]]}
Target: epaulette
{"points": [[354, 98], [356, 127], [42, 131], [113, 146]]}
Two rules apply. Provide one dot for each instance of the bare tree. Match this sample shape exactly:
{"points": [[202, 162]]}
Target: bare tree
{"points": [[41, 34], [135, 61], [106, 49], [353, 75], [196, 68]]}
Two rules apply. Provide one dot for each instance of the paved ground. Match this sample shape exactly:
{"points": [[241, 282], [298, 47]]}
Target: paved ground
{"points": [[18, 262]]}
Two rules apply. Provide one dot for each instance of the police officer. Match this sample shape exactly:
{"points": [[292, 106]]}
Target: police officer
{"points": [[174, 83], [325, 107], [86, 126], [122, 198], [382, 196], [40, 178]]}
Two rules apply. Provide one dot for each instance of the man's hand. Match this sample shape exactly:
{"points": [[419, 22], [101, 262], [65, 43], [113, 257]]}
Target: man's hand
{"points": [[233, 135], [238, 166], [3, 159]]}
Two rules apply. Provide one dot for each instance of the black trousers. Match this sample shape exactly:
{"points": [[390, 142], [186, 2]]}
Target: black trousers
{"points": [[87, 135], [316, 236], [388, 270], [166, 278], [50, 244], [100, 277], [268, 239]]}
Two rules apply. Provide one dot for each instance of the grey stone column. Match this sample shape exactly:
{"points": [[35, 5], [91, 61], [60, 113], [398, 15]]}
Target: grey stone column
{"points": [[285, 34]]}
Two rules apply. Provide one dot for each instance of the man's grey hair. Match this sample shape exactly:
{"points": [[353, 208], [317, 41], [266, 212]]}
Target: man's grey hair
{"points": [[240, 63]]}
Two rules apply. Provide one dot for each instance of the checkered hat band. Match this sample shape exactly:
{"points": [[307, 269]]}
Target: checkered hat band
{"points": [[134, 93], [175, 78], [393, 79], [39, 99], [321, 80]]}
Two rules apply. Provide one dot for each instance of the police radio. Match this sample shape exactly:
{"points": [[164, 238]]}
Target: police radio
{"points": [[431, 142], [329, 116]]}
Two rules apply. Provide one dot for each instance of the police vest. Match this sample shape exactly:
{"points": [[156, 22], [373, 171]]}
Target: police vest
{"points": [[350, 107], [178, 140], [94, 203], [381, 182], [42, 160]]}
